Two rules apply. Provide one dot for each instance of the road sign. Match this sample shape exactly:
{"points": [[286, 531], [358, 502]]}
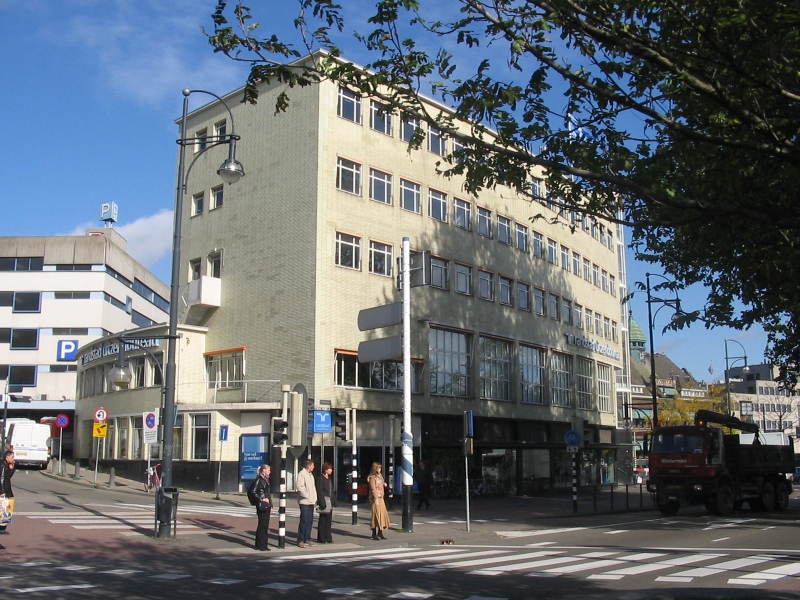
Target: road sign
{"points": [[380, 316], [101, 415], [150, 430], [572, 437], [223, 433], [62, 421], [573, 449], [388, 348], [322, 421], [99, 430]]}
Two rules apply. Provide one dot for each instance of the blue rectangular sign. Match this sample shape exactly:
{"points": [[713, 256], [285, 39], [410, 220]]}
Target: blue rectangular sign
{"points": [[322, 421], [223, 433]]}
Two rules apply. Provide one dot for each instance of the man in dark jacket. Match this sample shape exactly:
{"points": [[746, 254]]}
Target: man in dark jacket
{"points": [[263, 508], [424, 479]]}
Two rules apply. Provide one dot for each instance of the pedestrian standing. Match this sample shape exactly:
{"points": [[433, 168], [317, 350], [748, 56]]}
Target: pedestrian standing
{"points": [[7, 470], [377, 489], [325, 502], [263, 508], [424, 479], [307, 497]]}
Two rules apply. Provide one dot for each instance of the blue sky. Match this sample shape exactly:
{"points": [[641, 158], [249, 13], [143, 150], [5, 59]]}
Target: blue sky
{"points": [[91, 90]]}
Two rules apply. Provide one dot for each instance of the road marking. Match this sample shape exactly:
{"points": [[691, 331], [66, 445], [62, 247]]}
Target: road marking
{"points": [[526, 565], [721, 539], [55, 588], [519, 534], [411, 595], [121, 571], [343, 591], [74, 568], [281, 586], [496, 559], [687, 576], [772, 574], [647, 568], [169, 576], [615, 532], [367, 553], [224, 581]]}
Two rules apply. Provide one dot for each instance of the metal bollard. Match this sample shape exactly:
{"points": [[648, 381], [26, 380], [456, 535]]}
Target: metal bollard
{"points": [[77, 469], [627, 500], [594, 497], [111, 474], [611, 489]]}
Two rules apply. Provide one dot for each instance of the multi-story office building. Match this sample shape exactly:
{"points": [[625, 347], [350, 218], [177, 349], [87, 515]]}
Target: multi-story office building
{"points": [[58, 293], [521, 322]]}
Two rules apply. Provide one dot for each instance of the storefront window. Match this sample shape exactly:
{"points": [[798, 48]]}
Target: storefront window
{"points": [[122, 438], [136, 439]]}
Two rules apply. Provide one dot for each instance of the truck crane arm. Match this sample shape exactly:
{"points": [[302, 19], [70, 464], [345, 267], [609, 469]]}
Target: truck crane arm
{"points": [[703, 417]]}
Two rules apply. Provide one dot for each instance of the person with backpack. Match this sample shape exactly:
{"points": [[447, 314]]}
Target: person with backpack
{"points": [[258, 494]]}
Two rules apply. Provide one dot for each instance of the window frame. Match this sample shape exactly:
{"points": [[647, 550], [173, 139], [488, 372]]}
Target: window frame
{"points": [[486, 285], [387, 252], [377, 108], [348, 99], [415, 190], [437, 199], [462, 214], [348, 174], [521, 237], [505, 286], [354, 243], [381, 180], [504, 230], [484, 222]]}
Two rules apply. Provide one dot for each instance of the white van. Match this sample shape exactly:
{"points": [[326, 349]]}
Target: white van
{"points": [[29, 440]]}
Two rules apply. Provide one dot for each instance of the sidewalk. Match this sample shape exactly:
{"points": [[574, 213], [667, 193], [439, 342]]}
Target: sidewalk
{"points": [[444, 522]]}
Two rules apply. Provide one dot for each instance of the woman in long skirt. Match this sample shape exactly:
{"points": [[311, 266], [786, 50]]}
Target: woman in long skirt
{"points": [[377, 489]]}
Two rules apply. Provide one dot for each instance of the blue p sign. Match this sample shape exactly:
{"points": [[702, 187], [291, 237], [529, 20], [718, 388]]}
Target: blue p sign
{"points": [[67, 349]]}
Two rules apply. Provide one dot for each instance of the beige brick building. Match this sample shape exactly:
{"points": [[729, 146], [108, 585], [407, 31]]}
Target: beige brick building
{"points": [[521, 325]]}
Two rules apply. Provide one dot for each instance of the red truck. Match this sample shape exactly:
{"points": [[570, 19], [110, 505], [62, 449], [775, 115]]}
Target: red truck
{"points": [[701, 464]]}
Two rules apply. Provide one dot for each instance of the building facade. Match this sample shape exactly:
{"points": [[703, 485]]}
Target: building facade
{"points": [[520, 324]]}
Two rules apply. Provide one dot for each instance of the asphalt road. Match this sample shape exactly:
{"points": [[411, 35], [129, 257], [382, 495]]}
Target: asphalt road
{"points": [[72, 541]]}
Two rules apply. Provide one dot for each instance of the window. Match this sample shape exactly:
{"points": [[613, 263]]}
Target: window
{"points": [[538, 245], [523, 296], [348, 176], [140, 320], [604, 280], [156, 370], [554, 302], [462, 214], [576, 264], [198, 204], [585, 223], [463, 279], [70, 331], [24, 375], [566, 311], [216, 197], [603, 388], [589, 321], [201, 436], [561, 376], [73, 296], [380, 186], [607, 328], [612, 285], [349, 105], [594, 229], [506, 291], [29, 302], [495, 369], [584, 376], [538, 302], [383, 375], [613, 331], [348, 251], [449, 362], [437, 205], [225, 370], [552, 252], [122, 437], [522, 237], [503, 230], [408, 127], [380, 118], [602, 235], [537, 188], [215, 264], [485, 222], [70, 267], [610, 239], [195, 269], [596, 275], [577, 316], [220, 129], [531, 367], [409, 196], [439, 273], [587, 269], [458, 145], [31, 263], [598, 323], [136, 438], [24, 339], [565, 258], [485, 285], [201, 140], [436, 141], [380, 258]]}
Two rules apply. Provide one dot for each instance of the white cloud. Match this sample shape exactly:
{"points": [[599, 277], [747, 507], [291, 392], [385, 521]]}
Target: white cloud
{"points": [[149, 238]]}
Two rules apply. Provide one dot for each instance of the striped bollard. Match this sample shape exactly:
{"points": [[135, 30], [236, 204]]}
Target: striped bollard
{"points": [[354, 484], [282, 502], [575, 482]]}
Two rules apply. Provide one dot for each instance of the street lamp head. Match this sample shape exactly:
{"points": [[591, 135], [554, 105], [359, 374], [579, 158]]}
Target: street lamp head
{"points": [[120, 376], [231, 171]]}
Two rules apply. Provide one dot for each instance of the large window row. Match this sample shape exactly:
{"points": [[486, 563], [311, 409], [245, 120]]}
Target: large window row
{"points": [[126, 442], [144, 370], [382, 375]]}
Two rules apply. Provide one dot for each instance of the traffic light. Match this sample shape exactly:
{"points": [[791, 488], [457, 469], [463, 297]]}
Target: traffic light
{"points": [[279, 435], [587, 434], [340, 424]]}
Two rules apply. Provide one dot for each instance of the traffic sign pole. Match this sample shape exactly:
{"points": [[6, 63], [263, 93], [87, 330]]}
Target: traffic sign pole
{"points": [[61, 422]]}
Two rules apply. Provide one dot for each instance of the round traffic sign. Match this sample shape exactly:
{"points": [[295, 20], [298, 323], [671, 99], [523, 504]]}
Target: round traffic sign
{"points": [[150, 420], [572, 438], [62, 421], [101, 415]]}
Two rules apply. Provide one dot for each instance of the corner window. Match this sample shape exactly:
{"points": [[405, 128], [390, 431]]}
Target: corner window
{"points": [[380, 118], [462, 214], [225, 370], [349, 105], [216, 197], [486, 285], [503, 230], [380, 258], [485, 222], [439, 273], [201, 436], [198, 204], [463, 279], [380, 186], [437, 205], [348, 176], [410, 196], [348, 251]]}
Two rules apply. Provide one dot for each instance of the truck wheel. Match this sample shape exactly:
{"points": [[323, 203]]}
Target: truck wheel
{"points": [[670, 508], [768, 496], [724, 501], [782, 497]]}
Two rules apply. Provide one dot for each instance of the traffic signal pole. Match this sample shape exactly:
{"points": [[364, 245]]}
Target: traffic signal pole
{"points": [[354, 467], [282, 499], [407, 438]]}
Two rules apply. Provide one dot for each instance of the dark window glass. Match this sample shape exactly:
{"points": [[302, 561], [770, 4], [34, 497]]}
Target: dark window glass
{"points": [[5, 335], [37, 263], [24, 339], [22, 375], [6, 298], [27, 302], [8, 264], [58, 368]]}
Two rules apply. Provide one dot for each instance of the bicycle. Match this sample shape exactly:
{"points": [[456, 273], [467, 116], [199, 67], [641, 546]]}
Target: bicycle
{"points": [[152, 478]]}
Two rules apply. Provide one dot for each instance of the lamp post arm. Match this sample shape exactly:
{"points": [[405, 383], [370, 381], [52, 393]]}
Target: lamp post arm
{"points": [[230, 140]]}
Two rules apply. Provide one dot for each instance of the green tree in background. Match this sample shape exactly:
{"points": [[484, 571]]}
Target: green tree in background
{"points": [[679, 119]]}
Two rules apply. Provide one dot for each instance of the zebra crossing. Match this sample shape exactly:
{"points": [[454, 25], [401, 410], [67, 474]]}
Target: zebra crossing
{"points": [[612, 564]]}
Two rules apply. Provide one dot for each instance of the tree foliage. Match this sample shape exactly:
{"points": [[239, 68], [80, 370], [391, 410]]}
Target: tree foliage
{"points": [[679, 119]]}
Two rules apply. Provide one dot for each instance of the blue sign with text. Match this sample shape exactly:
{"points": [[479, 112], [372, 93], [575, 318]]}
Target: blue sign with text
{"points": [[322, 421], [223, 433]]}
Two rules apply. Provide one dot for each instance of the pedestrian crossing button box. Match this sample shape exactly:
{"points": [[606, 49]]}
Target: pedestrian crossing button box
{"points": [[167, 504]]}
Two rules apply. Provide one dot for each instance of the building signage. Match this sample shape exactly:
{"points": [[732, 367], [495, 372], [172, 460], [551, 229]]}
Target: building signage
{"points": [[112, 349], [593, 345]]}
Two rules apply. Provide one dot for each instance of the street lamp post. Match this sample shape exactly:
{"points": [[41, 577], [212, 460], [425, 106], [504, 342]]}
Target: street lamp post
{"points": [[732, 360], [675, 304]]}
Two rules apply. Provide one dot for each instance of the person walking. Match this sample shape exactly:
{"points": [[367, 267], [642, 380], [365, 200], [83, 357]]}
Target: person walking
{"points": [[264, 507], [307, 497], [7, 470], [325, 501], [424, 479], [377, 489]]}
